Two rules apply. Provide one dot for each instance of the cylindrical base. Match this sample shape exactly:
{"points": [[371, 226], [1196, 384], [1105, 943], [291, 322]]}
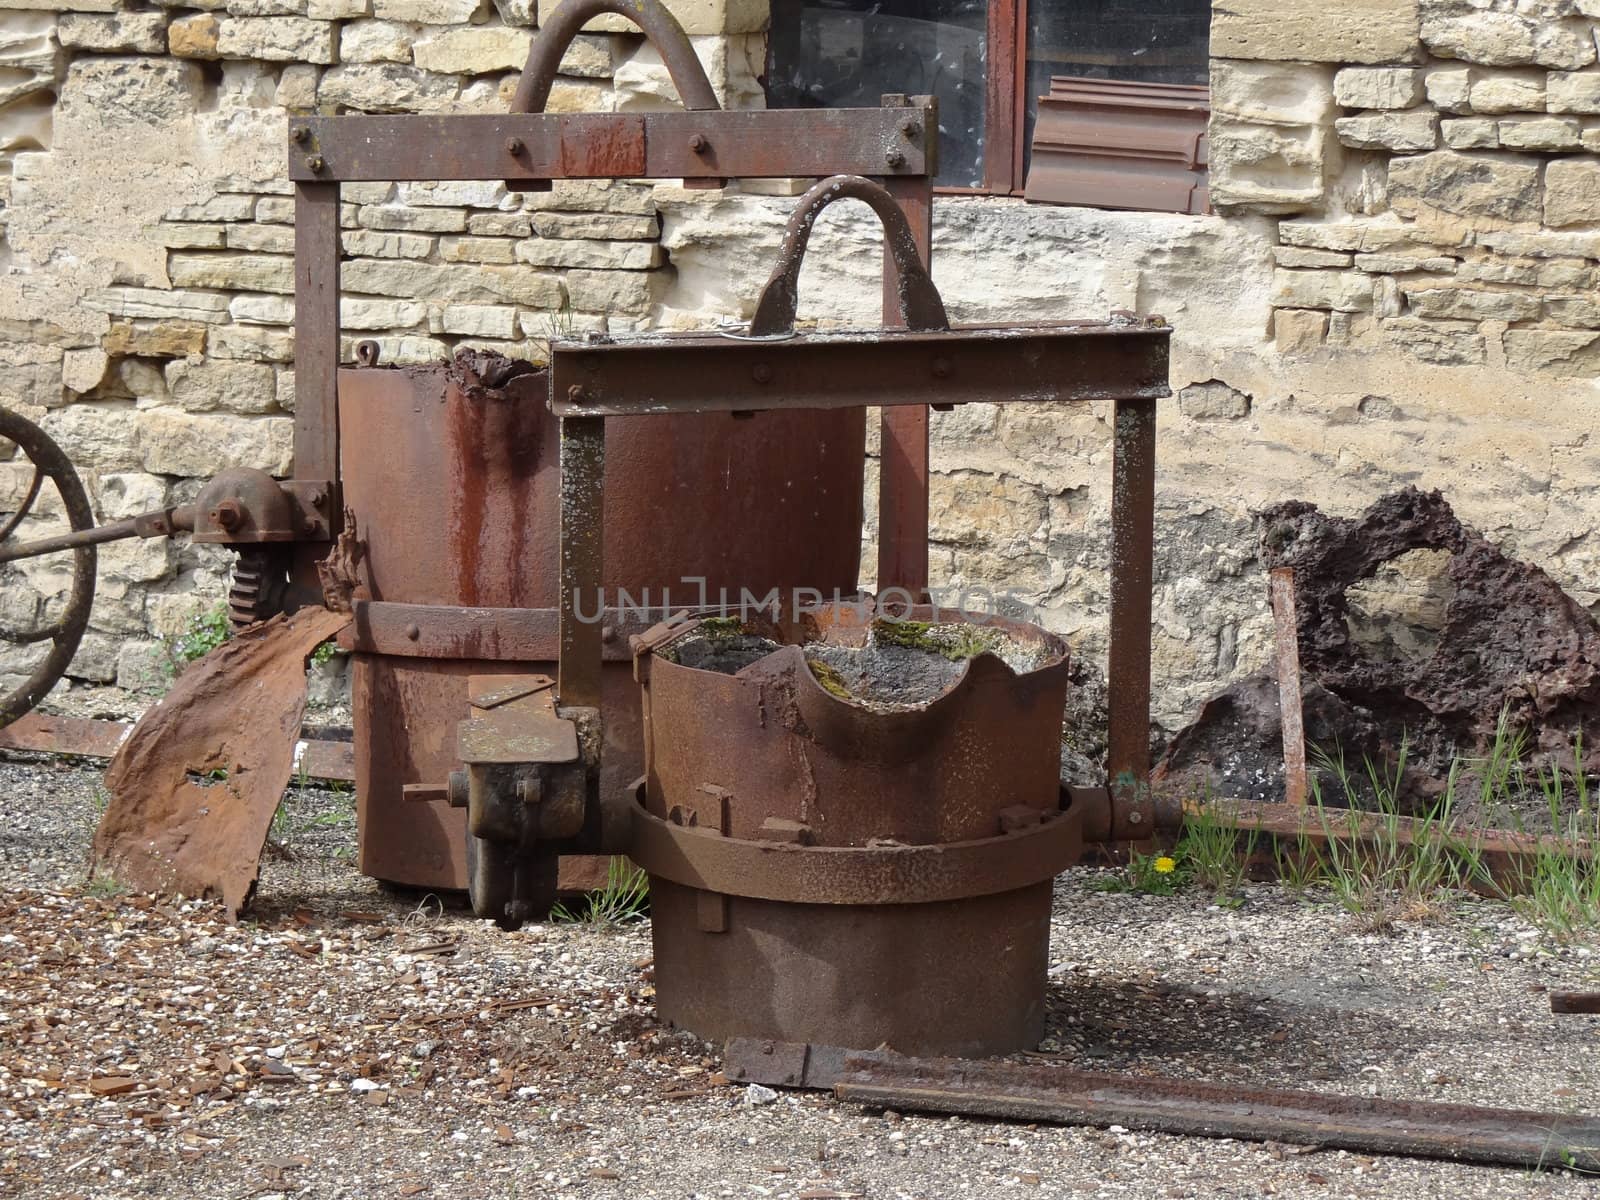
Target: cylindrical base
{"points": [[962, 978]]}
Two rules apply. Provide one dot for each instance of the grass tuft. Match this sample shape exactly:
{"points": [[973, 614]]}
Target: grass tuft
{"points": [[625, 898]]}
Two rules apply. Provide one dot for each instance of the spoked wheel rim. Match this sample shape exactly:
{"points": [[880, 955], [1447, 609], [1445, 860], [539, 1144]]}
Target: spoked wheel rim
{"points": [[66, 631]]}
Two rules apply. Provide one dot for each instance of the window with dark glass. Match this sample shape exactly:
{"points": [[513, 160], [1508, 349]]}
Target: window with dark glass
{"points": [[988, 62], [849, 53]]}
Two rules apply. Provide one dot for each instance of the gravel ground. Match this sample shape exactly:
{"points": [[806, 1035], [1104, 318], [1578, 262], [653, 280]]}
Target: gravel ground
{"points": [[348, 1042]]}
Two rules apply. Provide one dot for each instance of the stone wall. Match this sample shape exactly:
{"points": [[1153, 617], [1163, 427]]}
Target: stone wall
{"points": [[1398, 286]]}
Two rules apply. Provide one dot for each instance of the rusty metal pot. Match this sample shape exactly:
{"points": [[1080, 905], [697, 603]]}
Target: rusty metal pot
{"points": [[829, 872], [452, 474]]}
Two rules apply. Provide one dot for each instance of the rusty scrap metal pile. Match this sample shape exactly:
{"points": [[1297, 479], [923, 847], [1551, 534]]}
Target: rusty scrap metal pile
{"points": [[827, 869]]}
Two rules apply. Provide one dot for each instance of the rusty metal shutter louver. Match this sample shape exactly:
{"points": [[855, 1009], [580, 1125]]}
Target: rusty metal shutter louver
{"points": [[1104, 143]]}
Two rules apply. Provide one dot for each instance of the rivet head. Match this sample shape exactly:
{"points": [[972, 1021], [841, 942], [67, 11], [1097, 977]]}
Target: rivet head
{"points": [[761, 373], [576, 394], [910, 128], [698, 143], [314, 164], [514, 145], [299, 134], [412, 633], [895, 158]]}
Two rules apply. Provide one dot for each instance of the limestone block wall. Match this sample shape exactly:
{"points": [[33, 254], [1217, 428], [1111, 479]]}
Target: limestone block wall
{"points": [[1398, 286], [1441, 159]]}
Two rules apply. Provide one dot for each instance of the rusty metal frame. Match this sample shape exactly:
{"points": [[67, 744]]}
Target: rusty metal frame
{"points": [[1054, 362], [889, 143], [1124, 362]]}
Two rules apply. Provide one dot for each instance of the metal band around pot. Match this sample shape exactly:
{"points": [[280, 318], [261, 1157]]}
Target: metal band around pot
{"points": [[703, 859]]}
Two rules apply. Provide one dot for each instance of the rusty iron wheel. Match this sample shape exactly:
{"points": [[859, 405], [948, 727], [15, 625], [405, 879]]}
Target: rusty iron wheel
{"points": [[65, 631]]}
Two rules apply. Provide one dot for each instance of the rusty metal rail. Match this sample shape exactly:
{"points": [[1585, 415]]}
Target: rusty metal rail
{"points": [[1192, 1108], [1506, 856], [529, 147], [317, 755]]}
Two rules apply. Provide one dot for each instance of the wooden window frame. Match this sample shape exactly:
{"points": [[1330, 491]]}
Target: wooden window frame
{"points": [[1005, 102]]}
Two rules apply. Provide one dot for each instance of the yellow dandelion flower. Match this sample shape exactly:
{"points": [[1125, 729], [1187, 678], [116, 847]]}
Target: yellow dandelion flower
{"points": [[1165, 865]]}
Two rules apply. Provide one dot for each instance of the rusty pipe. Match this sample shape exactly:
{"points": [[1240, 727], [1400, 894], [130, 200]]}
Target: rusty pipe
{"points": [[660, 28], [920, 305], [161, 522]]}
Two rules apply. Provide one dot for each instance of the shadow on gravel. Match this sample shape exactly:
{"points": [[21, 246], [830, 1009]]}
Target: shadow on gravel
{"points": [[1184, 1031]]}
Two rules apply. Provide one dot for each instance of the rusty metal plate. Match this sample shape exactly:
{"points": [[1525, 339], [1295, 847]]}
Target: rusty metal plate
{"points": [[686, 373], [519, 726], [743, 144], [595, 146], [492, 691], [195, 786], [459, 517]]}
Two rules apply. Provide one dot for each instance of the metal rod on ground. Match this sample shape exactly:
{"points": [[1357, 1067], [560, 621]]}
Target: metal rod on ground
{"points": [[1287, 639], [1575, 1002], [1452, 1132], [317, 756], [1505, 856]]}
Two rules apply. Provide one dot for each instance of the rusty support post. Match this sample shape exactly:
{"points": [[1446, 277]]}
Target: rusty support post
{"points": [[1287, 639], [1133, 489], [317, 250], [583, 456], [903, 454]]}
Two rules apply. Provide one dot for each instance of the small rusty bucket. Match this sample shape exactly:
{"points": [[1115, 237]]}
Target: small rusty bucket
{"points": [[848, 860]]}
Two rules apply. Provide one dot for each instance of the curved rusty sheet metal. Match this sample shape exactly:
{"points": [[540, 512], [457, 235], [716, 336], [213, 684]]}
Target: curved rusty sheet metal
{"points": [[921, 307], [651, 16], [195, 786]]}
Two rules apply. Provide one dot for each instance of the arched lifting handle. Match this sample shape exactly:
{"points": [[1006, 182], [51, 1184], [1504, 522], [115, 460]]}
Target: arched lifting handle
{"points": [[659, 26], [920, 305]]}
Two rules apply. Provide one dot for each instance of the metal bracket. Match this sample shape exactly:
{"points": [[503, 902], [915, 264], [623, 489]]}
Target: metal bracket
{"points": [[527, 791]]}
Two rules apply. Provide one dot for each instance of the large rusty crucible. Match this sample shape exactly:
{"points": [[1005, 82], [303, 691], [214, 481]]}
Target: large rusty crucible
{"points": [[851, 837], [452, 473]]}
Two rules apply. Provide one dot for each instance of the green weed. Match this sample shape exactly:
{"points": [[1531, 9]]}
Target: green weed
{"points": [[204, 633], [105, 887], [624, 898]]}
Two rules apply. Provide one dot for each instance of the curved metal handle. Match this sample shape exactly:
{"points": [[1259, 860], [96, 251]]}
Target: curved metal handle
{"points": [[660, 27], [920, 305]]}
